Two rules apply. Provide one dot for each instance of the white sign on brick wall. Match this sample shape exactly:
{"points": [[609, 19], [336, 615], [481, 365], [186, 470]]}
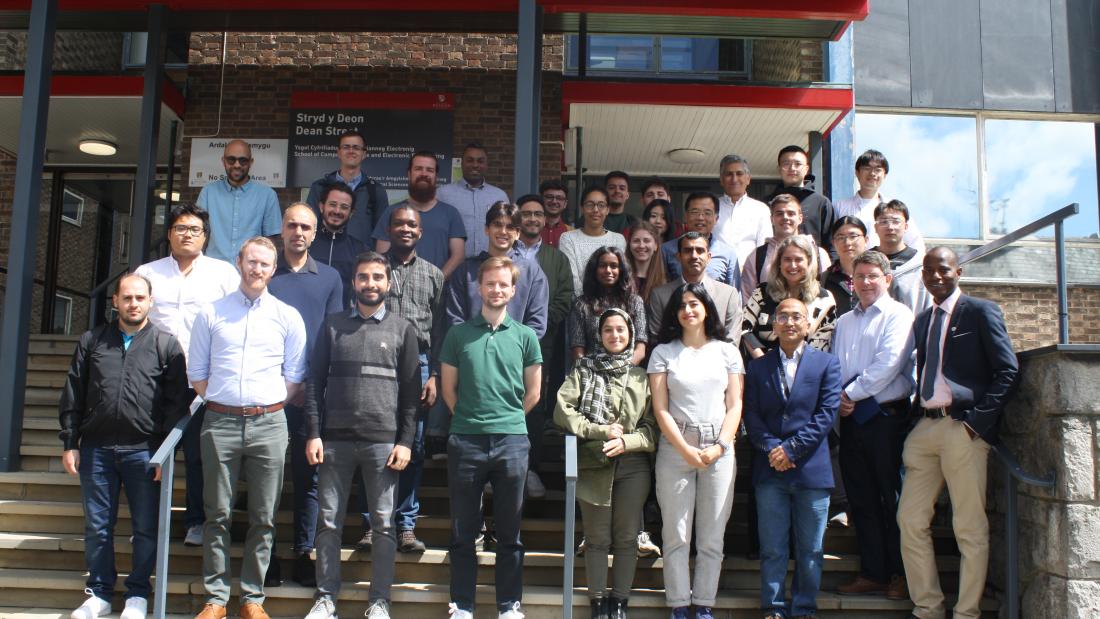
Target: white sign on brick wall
{"points": [[268, 161]]}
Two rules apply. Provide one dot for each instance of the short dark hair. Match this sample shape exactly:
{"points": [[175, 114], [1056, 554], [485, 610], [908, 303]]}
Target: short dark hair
{"points": [[872, 157], [336, 185], [892, 205], [691, 235], [875, 259], [671, 329], [402, 206], [792, 148], [351, 133], [594, 188], [503, 209], [474, 146], [701, 195], [373, 256], [848, 220], [553, 183], [783, 198], [424, 153], [186, 208], [531, 197], [655, 182], [616, 174]]}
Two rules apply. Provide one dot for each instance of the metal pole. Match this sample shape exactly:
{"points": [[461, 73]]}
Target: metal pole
{"points": [[528, 70], [172, 137], [578, 168], [582, 47], [1012, 579], [145, 181], [23, 246], [1060, 274], [164, 527], [53, 251], [570, 523]]}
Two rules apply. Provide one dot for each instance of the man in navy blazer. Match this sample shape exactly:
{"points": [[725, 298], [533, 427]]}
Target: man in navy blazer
{"points": [[791, 398], [966, 369]]}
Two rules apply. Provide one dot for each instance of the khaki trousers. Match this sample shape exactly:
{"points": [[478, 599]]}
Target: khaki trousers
{"points": [[939, 451]]}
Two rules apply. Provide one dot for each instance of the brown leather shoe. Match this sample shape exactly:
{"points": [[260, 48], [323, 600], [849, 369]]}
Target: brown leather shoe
{"points": [[898, 589], [862, 586], [253, 611], [211, 611]]}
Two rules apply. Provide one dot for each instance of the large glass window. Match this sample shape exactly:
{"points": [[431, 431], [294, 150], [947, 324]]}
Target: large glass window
{"points": [[670, 56]]}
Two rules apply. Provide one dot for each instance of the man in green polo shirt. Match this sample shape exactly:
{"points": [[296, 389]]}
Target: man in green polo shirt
{"points": [[491, 374]]}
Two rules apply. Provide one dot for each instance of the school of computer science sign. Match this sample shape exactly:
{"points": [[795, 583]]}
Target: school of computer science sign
{"points": [[268, 161], [394, 126]]}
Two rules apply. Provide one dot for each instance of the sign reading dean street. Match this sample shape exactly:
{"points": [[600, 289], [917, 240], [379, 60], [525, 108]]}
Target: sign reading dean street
{"points": [[394, 126]]}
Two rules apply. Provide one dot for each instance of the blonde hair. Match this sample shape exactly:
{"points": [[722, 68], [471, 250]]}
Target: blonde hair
{"points": [[655, 273], [262, 241], [808, 288], [498, 262]]}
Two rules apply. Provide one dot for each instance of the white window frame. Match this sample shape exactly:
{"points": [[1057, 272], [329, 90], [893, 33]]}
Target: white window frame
{"points": [[79, 208], [68, 312]]}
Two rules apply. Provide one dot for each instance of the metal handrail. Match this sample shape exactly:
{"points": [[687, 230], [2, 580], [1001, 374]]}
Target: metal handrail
{"points": [[1014, 473], [570, 523], [165, 458]]}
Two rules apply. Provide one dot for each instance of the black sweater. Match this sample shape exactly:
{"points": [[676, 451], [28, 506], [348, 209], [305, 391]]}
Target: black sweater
{"points": [[364, 380], [123, 398]]}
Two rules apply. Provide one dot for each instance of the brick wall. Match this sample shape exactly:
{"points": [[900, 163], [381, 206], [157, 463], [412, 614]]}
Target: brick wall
{"points": [[786, 60], [73, 51], [1031, 312]]}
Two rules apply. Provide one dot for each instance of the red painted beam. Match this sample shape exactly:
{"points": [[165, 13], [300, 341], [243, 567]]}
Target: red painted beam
{"points": [[373, 100], [96, 86]]}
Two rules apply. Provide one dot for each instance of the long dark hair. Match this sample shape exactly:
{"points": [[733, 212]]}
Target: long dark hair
{"points": [[595, 295], [671, 329], [670, 222]]}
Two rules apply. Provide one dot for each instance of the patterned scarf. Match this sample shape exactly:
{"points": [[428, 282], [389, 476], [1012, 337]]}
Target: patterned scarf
{"points": [[597, 369]]}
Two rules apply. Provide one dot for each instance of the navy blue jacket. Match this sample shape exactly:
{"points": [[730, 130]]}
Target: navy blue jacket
{"points": [[978, 363], [800, 423], [462, 297]]}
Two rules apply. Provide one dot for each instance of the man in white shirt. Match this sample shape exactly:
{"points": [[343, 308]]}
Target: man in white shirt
{"points": [[183, 282], [743, 222], [473, 196], [871, 170]]}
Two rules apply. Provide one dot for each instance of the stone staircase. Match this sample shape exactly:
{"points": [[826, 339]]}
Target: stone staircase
{"points": [[42, 564]]}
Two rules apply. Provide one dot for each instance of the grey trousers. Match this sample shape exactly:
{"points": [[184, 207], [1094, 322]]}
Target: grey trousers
{"points": [[334, 478], [615, 526], [229, 444]]}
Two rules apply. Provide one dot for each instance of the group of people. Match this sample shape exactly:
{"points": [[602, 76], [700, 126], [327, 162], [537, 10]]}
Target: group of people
{"points": [[359, 336]]}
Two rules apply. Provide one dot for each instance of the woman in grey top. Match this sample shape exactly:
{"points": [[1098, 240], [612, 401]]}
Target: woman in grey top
{"points": [[605, 402], [695, 376]]}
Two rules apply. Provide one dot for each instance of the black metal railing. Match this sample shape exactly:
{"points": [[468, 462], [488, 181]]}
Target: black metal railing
{"points": [[1014, 473], [165, 458]]}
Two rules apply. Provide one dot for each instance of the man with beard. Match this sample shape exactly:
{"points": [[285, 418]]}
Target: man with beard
{"points": [[472, 196], [239, 207], [617, 184], [126, 388], [443, 238], [368, 196], [315, 290], [247, 359], [361, 400], [333, 244], [818, 213]]}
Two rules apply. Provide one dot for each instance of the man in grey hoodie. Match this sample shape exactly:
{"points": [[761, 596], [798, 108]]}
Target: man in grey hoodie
{"points": [[891, 224]]}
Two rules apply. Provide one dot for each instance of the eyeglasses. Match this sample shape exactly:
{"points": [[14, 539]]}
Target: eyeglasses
{"points": [[869, 277], [531, 214], [889, 221], [181, 230], [847, 238], [791, 165], [697, 212], [784, 318], [593, 206], [553, 198], [355, 148], [235, 160]]}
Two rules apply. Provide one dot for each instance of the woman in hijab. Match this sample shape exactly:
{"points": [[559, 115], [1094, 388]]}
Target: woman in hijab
{"points": [[605, 402]]}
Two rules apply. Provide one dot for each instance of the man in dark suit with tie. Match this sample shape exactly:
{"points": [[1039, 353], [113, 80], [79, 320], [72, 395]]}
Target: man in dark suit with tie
{"points": [[966, 369], [791, 398]]}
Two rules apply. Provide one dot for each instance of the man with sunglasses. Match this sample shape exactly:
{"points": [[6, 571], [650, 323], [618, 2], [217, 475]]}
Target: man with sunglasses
{"points": [[369, 197], [240, 208]]}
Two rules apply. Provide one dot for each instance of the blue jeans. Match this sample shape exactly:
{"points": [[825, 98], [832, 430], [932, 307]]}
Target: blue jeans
{"points": [[473, 460], [102, 473], [781, 507]]}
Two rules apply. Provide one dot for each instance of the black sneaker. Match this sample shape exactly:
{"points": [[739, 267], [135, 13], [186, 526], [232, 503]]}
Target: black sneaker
{"points": [[274, 576], [305, 571], [364, 543], [407, 542]]}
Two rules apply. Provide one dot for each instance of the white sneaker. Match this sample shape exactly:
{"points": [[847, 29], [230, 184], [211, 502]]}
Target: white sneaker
{"points": [[535, 487], [511, 613], [92, 607], [323, 608], [194, 536], [646, 547], [135, 608], [454, 612], [378, 609]]}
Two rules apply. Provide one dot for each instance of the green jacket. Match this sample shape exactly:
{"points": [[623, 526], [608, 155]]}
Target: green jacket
{"points": [[630, 398], [559, 276]]}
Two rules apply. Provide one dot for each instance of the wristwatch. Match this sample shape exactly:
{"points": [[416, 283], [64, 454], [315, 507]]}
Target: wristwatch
{"points": [[725, 445]]}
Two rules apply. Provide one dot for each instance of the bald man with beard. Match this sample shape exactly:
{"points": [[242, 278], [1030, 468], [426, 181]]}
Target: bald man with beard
{"points": [[240, 208]]}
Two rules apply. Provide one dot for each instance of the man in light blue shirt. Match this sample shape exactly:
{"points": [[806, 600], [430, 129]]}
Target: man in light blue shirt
{"points": [[701, 215], [874, 342], [239, 207], [247, 360], [473, 196]]}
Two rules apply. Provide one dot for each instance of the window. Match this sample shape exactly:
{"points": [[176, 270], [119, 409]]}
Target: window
{"points": [[667, 56], [62, 314], [72, 207]]}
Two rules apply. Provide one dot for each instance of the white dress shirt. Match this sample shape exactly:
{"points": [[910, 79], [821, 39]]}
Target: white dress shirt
{"points": [[875, 347], [864, 209], [247, 350], [790, 364], [177, 297], [941, 396], [743, 225]]}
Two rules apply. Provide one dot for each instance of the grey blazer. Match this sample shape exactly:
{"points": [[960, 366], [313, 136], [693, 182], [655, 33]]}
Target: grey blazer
{"points": [[726, 298]]}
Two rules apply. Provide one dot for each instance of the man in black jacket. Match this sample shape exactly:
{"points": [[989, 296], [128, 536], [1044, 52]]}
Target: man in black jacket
{"points": [[369, 195], [333, 245], [126, 388], [818, 213]]}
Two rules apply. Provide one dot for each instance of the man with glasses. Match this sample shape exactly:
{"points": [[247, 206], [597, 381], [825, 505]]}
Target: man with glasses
{"points": [[555, 200], [239, 207], [874, 343], [333, 244], [892, 224], [786, 217], [818, 213], [184, 281], [472, 195], [368, 196], [701, 215], [742, 221], [871, 171]]}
